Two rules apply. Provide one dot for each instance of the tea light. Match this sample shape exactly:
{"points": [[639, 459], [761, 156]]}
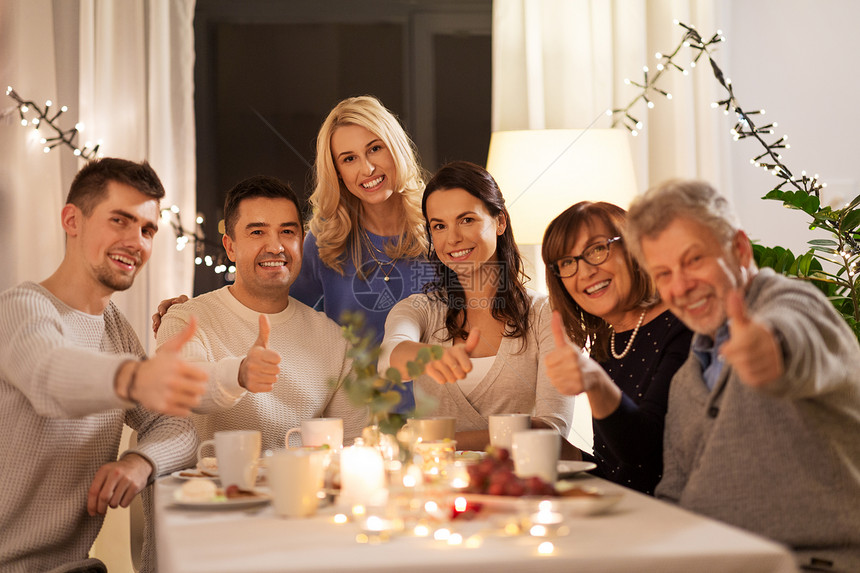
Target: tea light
{"points": [[545, 521], [362, 476], [375, 529]]}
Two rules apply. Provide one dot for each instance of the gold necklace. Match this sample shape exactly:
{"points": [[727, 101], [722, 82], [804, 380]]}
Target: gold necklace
{"points": [[380, 265], [629, 342]]}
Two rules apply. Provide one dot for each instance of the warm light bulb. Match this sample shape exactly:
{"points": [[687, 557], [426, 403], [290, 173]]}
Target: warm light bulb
{"points": [[645, 69], [77, 152], [47, 149], [43, 141], [692, 64], [231, 269], [634, 133], [36, 121], [546, 548], [660, 67], [174, 208], [24, 122], [199, 220], [340, 518], [668, 96], [79, 126], [658, 55], [197, 260], [64, 109], [49, 103], [25, 108], [650, 105]]}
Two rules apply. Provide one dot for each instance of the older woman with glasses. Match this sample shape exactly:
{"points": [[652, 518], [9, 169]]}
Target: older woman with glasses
{"points": [[605, 302]]}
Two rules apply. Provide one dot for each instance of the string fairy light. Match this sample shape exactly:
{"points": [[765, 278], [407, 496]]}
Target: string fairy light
{"points": [[47, 117], [220, 264], [797, 192]]}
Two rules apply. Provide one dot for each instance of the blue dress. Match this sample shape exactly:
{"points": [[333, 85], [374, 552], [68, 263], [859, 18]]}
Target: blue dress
{"points": [[324, 289]]}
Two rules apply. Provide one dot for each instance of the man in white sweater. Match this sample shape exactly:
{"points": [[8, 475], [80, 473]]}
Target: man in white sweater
{"points": [[72, 371], [272, 361]]}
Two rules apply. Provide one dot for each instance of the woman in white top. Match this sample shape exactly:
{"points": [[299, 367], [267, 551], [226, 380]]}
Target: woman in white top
{"points": [[493, 331]]}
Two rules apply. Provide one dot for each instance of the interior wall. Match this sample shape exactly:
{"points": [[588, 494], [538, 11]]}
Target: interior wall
{"points": [[789, 57]]}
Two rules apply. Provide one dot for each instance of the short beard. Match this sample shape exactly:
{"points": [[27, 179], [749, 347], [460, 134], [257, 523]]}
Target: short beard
{"points": [[112, 280]]}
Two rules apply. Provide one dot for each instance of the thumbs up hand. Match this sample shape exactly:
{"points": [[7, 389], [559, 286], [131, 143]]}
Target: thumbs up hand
{"points": [[259, 370], [166, 383], [752, 349], [562, 364], [456, 361]]}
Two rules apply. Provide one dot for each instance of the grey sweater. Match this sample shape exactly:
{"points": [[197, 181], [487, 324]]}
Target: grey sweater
{"points": [[60, 421], [783, 461]]}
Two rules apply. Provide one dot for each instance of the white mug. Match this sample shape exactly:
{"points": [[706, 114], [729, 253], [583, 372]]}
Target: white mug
{"points": [[319, 432], [535, 453], [237, 453], [434, 429], [503, 426], [295, 477]]}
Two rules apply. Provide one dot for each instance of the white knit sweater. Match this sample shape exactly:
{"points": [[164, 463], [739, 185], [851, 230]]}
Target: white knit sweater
{"points": [[313, 365], [60, 420]]}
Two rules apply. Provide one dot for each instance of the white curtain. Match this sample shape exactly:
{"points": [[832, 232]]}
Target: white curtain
{"points": [[136, 86], [126, 71], [560, 64]]}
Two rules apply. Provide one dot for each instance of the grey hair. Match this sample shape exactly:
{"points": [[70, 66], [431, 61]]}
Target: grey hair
{"points": [[651, 213]]}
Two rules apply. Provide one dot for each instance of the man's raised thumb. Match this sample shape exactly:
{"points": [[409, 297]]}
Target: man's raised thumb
{"points": [[736, 310], [263, 337]]}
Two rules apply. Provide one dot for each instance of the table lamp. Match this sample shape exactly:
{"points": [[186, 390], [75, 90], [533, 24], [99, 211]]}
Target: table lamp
{"points": [[542, 172]]}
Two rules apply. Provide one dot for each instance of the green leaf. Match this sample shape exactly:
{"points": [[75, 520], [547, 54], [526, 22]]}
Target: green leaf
{"points": [[823, 242], [414, 369], [423, 355], [393, 374], [811, 204], [850, 221], [437, 352]]}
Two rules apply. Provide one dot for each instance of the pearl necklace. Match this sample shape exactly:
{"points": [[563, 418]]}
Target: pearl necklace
{"points": [[629, 342]]}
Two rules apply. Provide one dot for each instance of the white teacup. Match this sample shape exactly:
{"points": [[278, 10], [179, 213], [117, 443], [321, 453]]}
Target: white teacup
{"points": [[319, 432], [434, 429], [295, 477], [237, 453], [503, 426], [535, 453]]}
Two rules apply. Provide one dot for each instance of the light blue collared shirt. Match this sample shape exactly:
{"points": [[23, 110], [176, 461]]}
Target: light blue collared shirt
{"points": [[707, 350]]}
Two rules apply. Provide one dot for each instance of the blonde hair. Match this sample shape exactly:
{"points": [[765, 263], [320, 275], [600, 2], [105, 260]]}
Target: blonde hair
{"points": [[336, 211]]}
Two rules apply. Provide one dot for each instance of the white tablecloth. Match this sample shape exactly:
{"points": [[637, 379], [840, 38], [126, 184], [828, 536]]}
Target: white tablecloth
{"points": [[640, 534]]}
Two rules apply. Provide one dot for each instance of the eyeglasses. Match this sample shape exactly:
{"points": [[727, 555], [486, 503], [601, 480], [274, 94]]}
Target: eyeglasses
{"points": [[594, 255]]}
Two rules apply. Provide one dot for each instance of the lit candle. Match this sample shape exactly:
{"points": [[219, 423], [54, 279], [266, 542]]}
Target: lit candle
{"points": [[362, 477]]}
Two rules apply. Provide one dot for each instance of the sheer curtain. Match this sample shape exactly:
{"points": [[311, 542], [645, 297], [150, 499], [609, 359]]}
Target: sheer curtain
{"points": [[561, 64], [136, 92]]}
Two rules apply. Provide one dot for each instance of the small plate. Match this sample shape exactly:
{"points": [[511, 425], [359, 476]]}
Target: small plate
{"points": [[570, 467], [193, 473], [583, 506], [259, 498]]}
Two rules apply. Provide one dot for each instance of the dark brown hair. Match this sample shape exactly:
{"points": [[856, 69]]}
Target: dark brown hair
{"points": [[558, 240], [510, 303], [251, 188], [89, 186]]}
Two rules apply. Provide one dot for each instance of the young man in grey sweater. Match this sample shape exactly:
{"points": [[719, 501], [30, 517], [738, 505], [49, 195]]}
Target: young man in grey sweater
{"points": [[763, 423], [72, 372]]}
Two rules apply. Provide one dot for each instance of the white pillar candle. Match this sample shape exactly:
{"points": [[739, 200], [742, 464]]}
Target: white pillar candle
{"points": [[362, 477]]}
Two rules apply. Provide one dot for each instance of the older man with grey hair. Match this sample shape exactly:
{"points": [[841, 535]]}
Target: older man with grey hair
{"points": [[763, 423]]}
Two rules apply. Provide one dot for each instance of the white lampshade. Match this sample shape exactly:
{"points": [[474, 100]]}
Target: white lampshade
{"points": [[542, 172]]}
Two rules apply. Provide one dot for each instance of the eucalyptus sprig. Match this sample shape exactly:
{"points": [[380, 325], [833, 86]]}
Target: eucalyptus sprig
{"points": [[365, 387]]}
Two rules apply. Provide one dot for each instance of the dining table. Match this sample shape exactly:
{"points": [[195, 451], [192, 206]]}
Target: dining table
{"points": [[638, 533]]}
